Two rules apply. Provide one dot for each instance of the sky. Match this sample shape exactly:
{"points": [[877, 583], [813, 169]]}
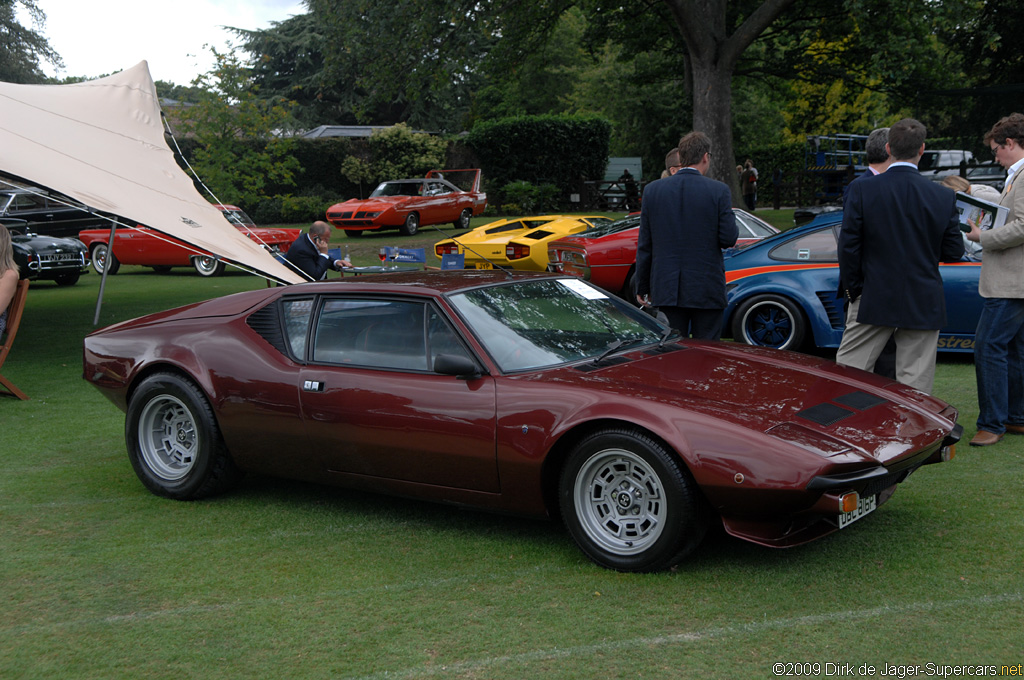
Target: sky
{"points": [[103, 36]]}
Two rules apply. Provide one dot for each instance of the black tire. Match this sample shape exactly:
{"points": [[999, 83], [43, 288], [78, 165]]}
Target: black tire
{"points": [[100, 255], [174, 442], [630, 504], [464, 217], [162, 269], [67, 278], [769, 321], [207, 266], [411, 226]]}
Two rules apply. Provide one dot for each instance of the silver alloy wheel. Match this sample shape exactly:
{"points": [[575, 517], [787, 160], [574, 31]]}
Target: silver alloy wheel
{"points": [[168, 438], [207, 266], [620, 502]]}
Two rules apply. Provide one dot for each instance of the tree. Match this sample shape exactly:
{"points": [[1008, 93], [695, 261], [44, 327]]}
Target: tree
{"points": [[22, 50], [394, 153], [239, 147]]}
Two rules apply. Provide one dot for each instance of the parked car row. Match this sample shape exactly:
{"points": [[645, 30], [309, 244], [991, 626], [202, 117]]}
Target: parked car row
{"points": [[56, 240]]}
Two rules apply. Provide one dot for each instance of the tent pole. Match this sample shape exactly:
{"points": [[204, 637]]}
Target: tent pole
{"points": [[106, 268]]}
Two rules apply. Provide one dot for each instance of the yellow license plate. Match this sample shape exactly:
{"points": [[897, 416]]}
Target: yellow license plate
{"points": [[484, 265]]}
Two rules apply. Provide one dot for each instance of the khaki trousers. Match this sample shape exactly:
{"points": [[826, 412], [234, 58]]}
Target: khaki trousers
{"points": [[915, 350]]}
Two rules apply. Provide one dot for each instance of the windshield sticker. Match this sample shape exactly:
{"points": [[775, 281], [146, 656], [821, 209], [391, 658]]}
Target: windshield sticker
{"points": [[582, 289]]}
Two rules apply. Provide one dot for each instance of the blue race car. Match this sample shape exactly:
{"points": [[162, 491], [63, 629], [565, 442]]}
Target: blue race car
{"points": [[784, 291]]}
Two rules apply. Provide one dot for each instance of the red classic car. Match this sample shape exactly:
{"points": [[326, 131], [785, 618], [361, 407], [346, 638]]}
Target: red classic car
{"points": [[606, 254], [408, 204], [149, 248], [518, 392]]}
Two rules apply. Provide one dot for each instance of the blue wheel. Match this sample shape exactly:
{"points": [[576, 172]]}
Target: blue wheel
{"points": [[769, 321]]}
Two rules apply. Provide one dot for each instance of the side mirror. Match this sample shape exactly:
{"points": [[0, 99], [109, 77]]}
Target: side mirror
{"points": [[461, 367]]}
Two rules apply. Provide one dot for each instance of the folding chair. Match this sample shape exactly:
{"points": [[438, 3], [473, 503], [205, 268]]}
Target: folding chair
{"points": [[13, 321]]}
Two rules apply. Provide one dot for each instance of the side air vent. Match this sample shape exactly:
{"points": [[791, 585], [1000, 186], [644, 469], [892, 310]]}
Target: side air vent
{"points": [[266, 322], [833, 308]]}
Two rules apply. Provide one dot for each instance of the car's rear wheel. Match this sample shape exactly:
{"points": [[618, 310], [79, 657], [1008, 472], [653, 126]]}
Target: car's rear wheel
{"points": [[174, 442], [207, 266], [464, 218], [67, 278], [411, 226], [629, 503], [102, 259], [769, 321]]}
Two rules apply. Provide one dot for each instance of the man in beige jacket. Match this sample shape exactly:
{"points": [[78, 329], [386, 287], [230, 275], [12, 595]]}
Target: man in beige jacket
{"points": [[999, 341]]}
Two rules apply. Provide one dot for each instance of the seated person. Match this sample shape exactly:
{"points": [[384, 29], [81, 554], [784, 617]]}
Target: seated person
{"points": [[309, 252]]}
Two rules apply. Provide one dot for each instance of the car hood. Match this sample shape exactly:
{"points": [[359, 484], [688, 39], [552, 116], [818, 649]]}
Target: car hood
{"points": [[49, 244], [271, 235], [378, 204], [812, 403]]}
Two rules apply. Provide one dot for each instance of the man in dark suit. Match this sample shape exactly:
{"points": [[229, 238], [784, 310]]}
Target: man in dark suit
{"points": [[685, 221], [876, 155], [309, 252], [897, 227]]}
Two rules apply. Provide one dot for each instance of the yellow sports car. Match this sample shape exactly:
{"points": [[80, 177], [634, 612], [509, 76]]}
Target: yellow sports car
{"points": [[519, 243]]}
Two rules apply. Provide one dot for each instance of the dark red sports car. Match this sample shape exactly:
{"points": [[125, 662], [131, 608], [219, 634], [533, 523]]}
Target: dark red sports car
{"points": [[518, 392], [408, 204], [606, 254]]}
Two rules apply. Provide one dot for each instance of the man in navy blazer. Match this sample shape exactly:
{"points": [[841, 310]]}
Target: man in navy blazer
{"points": [[897, 227], [685, 221], [309, 252]]}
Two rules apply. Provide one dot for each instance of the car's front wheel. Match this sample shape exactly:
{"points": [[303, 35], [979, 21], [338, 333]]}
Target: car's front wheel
{"points": [[174, 442], [464, 218], [207, 266], [629, 503], [67, 278], [102, 259], [411, 226], [769, 321]]}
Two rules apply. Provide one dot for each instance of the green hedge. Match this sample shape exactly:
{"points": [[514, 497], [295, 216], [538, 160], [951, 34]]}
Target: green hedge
{"points": [[558, 150]]}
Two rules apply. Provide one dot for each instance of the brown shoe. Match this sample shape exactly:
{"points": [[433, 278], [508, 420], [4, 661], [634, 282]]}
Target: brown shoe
{"points": [[1014, 429], [985, 438]]}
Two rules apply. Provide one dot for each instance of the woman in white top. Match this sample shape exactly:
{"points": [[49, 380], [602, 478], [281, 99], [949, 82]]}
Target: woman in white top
{"points": [[8, 275]]}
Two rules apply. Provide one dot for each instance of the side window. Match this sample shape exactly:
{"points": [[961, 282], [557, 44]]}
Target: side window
{"points": [[296, 324], [818, 246], [441, 338], [373, 333]]}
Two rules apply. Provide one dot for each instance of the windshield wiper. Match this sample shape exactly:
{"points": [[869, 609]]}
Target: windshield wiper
{"points": [[666, 335], [616, 347]]}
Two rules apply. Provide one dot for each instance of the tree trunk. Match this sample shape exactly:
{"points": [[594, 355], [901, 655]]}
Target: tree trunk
{"points": [[712, 59]]}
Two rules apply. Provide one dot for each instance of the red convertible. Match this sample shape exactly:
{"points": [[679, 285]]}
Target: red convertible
{"points": [[517, 392], [408, 204], [606, 254], [149, 248]]}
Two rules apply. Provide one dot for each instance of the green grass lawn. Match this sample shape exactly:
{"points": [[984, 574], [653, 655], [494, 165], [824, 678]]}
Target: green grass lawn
{"points": [[101, 579]]}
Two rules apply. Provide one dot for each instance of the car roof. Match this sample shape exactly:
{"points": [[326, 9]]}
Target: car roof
{"points": [[431, 283]]}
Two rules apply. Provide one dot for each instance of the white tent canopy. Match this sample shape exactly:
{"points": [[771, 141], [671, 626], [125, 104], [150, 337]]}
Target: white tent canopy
{"points": [[101, 142]]}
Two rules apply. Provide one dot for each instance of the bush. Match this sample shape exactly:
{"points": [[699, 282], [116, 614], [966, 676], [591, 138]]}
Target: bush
{"points": [[557, 150], [529, 198]]}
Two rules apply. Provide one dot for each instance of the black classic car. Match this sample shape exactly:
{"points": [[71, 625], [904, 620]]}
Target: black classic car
{"points": [[46, 258], [47, 216]]}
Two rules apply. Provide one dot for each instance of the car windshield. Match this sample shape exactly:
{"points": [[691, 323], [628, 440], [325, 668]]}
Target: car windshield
{"points": [[605, 228], [535, 324], [238, 218], [398, 189]]}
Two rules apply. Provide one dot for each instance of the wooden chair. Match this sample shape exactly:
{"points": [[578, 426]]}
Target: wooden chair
{"points": [[13, 321]]}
